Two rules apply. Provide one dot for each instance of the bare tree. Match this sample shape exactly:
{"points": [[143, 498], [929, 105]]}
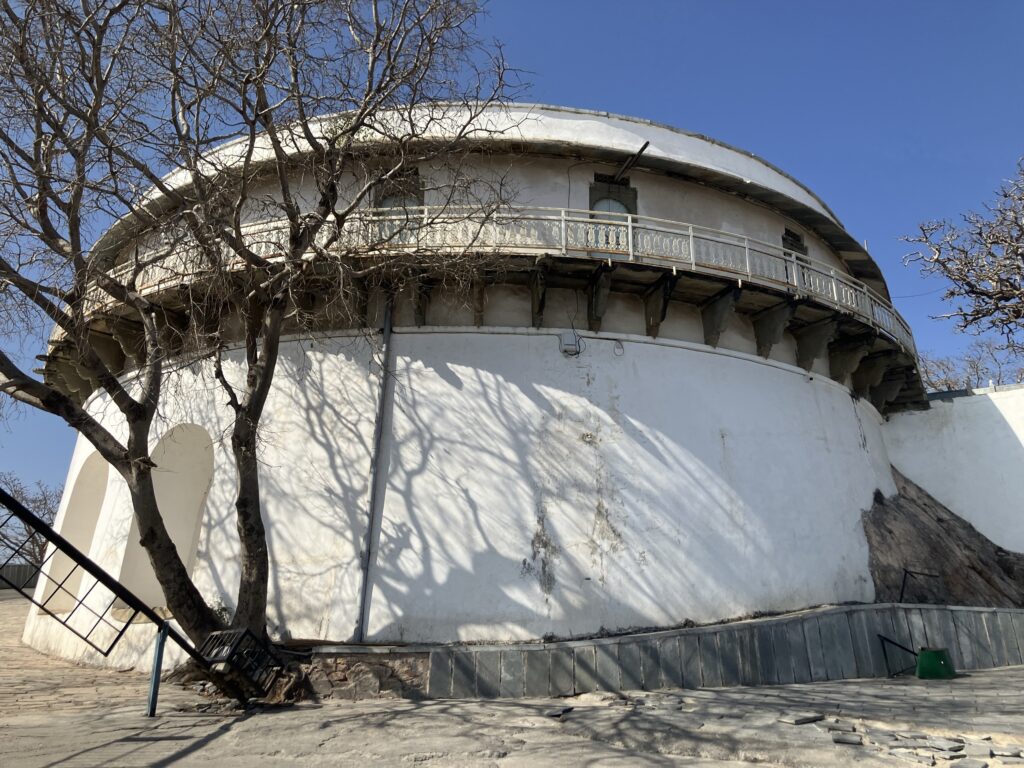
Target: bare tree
{"points": [[983, 260], [938, 373], [983, 363], [388, 86], [15, 539], [127, 222]]}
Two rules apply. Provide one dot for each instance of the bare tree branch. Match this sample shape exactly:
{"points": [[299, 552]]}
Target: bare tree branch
{"points": [[983, 260], [177, 179]]}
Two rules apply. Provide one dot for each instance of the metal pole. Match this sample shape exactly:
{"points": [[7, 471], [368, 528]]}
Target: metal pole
{"points": [[378, 482], [158, 662]]}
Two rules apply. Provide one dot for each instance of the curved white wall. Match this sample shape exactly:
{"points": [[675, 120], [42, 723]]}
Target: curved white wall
{"points": [[59, 588], [548, 182], [315, 449], [638, 484], [968, 452], [641, 483]]}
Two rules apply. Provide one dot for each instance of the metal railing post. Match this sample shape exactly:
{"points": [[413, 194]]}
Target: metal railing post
{"points": [[693, 250], [158, 662], [629, 234], [565, 239], [746, 255]]}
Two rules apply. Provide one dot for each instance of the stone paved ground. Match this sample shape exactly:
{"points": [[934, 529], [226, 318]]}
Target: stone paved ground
{"points": [[54, 713]]}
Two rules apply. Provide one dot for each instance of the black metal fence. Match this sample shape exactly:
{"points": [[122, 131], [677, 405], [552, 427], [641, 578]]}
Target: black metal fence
{"points": [[87, 595]]}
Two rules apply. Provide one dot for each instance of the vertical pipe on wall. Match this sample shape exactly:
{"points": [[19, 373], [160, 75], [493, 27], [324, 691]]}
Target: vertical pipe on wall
{"points": [[378, 479]]}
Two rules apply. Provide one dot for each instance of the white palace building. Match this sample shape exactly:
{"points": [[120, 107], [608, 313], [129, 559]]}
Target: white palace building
{"points": [[673, 404]]}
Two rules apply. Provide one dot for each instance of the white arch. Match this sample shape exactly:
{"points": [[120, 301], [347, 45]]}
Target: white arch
{"points": [[184, 471], [81, 513]]}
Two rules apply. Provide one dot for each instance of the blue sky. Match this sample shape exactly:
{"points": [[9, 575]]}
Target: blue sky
{"points": [[892, 112]]}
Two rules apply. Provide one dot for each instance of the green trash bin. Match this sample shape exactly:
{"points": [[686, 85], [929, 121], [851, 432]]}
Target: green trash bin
{"points": [[934, 664]]}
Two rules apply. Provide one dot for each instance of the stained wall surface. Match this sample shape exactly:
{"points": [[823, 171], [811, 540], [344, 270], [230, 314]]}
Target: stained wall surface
{"points": [[968, 452], [524, 492]]}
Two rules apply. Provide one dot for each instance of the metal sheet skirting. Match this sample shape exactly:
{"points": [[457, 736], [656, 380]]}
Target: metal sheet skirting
{"points": [[23, 574], [828, 644]]}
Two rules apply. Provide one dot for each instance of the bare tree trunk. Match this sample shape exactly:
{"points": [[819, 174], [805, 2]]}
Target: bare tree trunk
{"points": [[251, 612], [98, 104], [263, 339]]}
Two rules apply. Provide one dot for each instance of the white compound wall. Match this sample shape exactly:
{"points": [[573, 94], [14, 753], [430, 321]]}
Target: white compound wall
{"points": [[968, 452]]}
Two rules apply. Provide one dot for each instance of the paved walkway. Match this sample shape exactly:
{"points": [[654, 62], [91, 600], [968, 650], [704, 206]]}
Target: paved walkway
{"points": [[53, 713]]}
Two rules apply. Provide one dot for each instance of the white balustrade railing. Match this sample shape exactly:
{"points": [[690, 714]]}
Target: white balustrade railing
{"points": [[589, 234]]}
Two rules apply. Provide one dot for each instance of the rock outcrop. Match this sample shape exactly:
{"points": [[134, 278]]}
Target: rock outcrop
{"points": [[912, 530]]}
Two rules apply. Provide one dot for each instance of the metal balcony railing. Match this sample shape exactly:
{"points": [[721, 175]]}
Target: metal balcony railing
{"points": [[587, 234]]}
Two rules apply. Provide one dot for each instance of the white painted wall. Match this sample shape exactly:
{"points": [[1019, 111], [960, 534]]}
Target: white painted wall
{"points": [[315, 452], [968, 453], [550, 182], [547, 182], [674, 482], [181, 480], [89, 517], [61, 580], [639, 484]]}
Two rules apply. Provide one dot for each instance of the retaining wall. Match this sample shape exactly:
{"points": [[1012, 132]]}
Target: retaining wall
{"points": [[830, 644]]}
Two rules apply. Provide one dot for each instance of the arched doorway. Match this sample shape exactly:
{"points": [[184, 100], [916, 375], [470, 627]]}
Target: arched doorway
{"points": [[81, 513], [611, 236], [182, 477]]}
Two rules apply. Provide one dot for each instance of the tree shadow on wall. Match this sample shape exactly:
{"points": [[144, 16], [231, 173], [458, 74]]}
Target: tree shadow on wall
{"points": [[316, 484], [516, 510], [526, 496]]}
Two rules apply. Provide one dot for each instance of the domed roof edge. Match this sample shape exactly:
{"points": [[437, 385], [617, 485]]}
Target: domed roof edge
{"points": [[682, 132]]}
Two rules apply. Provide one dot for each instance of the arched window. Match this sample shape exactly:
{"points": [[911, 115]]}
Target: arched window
{"points": [[609, 205], [608, 233], [400, 201], [612, 201], [399, 205]]}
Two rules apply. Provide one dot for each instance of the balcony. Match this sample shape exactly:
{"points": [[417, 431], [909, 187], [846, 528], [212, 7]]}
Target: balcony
{"points": [[678, 246]]}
